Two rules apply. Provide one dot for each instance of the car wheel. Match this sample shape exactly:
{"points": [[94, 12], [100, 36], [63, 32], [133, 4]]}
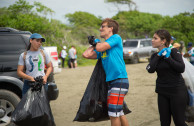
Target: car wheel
{"points": [[135, 59], [8, 102]]}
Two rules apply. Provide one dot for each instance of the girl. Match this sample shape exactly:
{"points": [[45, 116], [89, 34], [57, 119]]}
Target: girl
{"points": [[172, 92], [33, 62]]}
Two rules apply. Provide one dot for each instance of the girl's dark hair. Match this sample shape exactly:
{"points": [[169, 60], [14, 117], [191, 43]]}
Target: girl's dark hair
{"points": [[164, 34], [28, 48]]}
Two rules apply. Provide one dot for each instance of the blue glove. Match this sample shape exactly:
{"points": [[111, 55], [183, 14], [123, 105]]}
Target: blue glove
{"points": [[168, 50], [160, 53], [96, 40]]}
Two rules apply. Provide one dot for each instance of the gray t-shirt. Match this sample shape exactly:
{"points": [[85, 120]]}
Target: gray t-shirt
{"points": [[71, 53], [34, 63]]}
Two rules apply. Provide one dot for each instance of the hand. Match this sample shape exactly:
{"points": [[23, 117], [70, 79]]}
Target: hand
{"points": [[45, 79], [92, 41], [168, 50], [31, 79], [160, 53]]}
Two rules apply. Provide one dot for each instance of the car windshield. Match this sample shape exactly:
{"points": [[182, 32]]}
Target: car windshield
{"points": [[130, 44]]}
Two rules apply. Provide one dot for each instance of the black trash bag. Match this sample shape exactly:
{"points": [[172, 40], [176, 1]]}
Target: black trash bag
{"points": [[93, 106], [34, 108]]}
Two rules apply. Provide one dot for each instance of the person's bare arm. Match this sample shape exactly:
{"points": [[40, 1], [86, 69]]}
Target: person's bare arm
{"points": [[22, 74], [100, 47], [90, 53], [48, 71]]}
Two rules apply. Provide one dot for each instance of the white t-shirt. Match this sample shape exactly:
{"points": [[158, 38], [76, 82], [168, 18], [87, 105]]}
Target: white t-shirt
{"points": [[63, 53], [191, 52], [72, 53], [34, 63]]}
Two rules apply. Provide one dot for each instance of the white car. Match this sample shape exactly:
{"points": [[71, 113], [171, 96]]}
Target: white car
{"points": [[52, 51], [134, 49]]}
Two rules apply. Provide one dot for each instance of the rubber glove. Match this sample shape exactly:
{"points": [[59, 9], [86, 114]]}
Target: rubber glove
{"points": [[160, 53], [93, 41], [97, 40], [168, 50]]}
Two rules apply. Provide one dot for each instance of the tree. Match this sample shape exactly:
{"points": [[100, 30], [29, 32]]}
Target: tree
{"points": [[134, 24], [20, 6], [43, 9], [130, 4], [83, 24]]}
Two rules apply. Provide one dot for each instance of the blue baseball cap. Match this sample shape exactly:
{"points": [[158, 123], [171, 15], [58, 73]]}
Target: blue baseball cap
{"points": [[37, 36], [173, 38], [190, 44]]}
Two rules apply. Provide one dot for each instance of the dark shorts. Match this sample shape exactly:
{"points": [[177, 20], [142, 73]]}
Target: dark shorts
{"points": [[117, 90], [72, 60]]}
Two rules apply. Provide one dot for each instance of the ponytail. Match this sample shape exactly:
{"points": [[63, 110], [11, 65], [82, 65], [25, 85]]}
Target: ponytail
{"points": [[28, 48]]}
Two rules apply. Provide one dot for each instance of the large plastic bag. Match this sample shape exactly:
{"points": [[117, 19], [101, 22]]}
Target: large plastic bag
{"points": [[34, 108], [188, 76], [93, 106]]}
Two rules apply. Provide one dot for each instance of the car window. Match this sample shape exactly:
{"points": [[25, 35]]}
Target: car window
{"points": [[11, 43], [148, 43], [130, 44], [142, 44]]}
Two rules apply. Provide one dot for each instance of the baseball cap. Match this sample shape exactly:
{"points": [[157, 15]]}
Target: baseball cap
{"points": [[64, 47], [173, 38], [37, 36], [190, 44]]}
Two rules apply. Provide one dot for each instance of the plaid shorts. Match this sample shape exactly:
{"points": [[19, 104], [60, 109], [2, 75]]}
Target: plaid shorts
{"points": [[117, 89]]}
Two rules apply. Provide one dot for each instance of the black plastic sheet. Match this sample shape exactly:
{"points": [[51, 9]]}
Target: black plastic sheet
{"points": [[93, 106], [34, 108]]}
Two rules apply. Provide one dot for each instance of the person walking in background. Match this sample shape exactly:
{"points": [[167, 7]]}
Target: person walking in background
{"points": [[172, 41], [190, 52], [111, 54], [63, 55], [33, 62], [170, 85], [72, 53]]}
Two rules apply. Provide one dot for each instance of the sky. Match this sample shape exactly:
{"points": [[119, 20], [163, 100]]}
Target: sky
{"points": [[107, 10]]}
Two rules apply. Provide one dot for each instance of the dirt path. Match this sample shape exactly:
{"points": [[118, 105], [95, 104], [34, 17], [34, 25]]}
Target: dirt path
{"points": [[141, 99]]}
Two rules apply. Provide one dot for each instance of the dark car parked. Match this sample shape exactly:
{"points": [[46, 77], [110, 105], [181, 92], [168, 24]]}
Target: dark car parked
{"points": [[12, 43]]}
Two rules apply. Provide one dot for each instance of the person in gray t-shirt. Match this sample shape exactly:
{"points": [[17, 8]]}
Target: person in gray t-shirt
{"points": [[34, 63], [72, 53]]}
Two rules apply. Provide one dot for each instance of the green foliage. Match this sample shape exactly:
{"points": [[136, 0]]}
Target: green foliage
{"points": [[80, 60], [20, 6], [133, 24], [83, 24]]}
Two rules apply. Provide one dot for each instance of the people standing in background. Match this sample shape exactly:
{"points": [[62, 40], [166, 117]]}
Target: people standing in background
{"points": [[182, 48], [190, 53], [75, 62], [63, 55], [72, 53], [172, 41], [176, 45]]}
